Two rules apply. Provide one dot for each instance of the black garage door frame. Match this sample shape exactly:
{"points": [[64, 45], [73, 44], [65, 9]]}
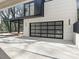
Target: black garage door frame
{"points": [[50, 29]]}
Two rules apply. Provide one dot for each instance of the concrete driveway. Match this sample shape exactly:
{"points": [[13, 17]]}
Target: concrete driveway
{"points": [[19, 48]]}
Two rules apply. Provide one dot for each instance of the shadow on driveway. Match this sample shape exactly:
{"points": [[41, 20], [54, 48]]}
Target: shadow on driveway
{"points": [[3, 55]]}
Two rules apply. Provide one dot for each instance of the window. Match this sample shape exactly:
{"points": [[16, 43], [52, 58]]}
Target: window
{"points": [[53, 29], [6, 13], [2, 15], [34, 8], [39, 7], [19, 10], [27, 10], [11, 13], [31, 8]]}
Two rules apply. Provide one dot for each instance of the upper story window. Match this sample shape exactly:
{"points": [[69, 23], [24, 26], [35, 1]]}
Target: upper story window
{"points": [[33, 8], [19, 10], [2, 15], [5, 13], [39, 7], [29, 9], [11, 13]]}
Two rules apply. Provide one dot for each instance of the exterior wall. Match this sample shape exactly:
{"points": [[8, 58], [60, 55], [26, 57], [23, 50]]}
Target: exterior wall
{"points": [[77, 39], [57, 10]]}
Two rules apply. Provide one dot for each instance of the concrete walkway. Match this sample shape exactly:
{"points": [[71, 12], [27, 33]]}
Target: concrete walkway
{"points": [[21, 48]]}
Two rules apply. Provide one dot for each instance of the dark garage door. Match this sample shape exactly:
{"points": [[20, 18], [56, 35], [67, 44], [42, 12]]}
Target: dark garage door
{"points": [[52, 29]]}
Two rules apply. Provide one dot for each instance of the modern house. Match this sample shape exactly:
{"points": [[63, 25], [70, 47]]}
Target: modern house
{"points": [[52, 19]]}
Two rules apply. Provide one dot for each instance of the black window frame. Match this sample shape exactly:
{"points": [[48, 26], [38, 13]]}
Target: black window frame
{"points": [[28, 8]]}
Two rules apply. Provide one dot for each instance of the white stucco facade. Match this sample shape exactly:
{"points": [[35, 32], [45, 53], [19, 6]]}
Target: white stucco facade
{"points": [[56, 10]]}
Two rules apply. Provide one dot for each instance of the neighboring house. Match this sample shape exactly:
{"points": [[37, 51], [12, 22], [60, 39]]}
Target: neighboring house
{"points": [[54, 19]]}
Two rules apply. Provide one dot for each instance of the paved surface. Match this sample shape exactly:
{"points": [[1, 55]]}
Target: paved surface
{"points": [[19, 48]]}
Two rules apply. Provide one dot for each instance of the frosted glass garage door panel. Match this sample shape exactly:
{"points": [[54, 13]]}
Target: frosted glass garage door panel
{"points": [[32, 27], [51, 27], [44, 35], [50, 23], [51, 35], [44, 31], [32, 34], [58, 23], [58, 36], [58, 27], [38, 24], [44, 24], [59, 32], [32, 24], [37, 31], [32, 30], [44, 27], [51, 31], [38, 28]]}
